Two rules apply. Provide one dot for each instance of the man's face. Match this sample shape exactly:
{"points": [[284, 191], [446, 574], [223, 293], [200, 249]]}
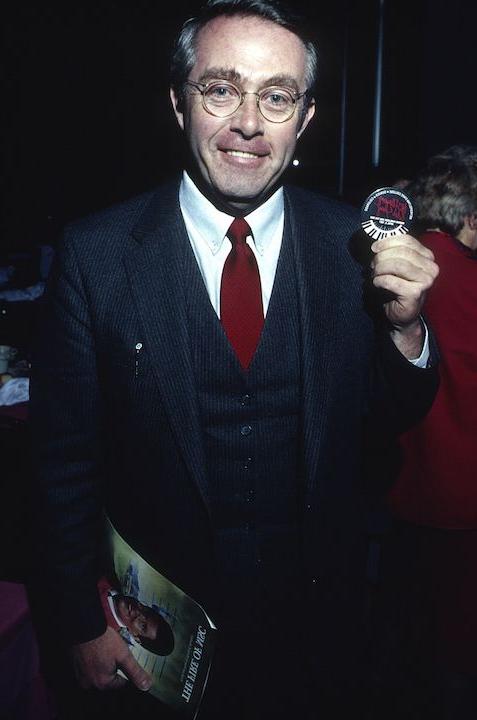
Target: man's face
{"points": [[241, 157], [140, 620]]}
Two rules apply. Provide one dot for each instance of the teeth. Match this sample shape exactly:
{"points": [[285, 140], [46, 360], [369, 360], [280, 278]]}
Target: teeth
{"points": [[239, 153]]}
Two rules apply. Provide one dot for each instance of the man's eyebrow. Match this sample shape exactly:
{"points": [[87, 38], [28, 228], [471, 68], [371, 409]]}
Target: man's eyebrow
{"points": [[283, 80], [221, 73]]}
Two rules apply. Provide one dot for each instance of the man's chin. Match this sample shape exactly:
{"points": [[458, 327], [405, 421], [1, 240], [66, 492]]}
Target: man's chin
{"points": [[231, 197], [240, 194], [243, 202], [246, 202]]}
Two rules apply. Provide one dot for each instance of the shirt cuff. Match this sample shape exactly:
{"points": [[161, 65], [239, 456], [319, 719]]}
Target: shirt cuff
{"points": [[423, 358]]}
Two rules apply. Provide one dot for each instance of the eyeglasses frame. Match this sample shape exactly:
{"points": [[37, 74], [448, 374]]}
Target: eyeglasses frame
{"points": [[202, 88]]}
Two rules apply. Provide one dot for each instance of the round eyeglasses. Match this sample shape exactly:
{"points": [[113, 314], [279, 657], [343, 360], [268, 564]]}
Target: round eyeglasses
{"points": [[222, 98]]}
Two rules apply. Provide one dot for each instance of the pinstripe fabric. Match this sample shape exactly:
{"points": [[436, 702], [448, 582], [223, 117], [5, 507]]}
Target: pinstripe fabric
{"points": [[122, 427], [250, 430]]}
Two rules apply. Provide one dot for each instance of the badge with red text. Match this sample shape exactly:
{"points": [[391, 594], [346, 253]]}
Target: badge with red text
{"points": [[387, 212]]}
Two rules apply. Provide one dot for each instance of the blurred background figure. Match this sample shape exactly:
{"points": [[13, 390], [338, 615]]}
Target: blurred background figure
{"points": [[434, 501]]}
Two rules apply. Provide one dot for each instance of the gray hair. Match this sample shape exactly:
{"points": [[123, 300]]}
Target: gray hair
{"points": [[183, 55], [445, 193]]}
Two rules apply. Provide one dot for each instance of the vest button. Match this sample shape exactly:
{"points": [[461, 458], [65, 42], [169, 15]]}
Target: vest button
{"points": [[245, 430], [245, 400]]}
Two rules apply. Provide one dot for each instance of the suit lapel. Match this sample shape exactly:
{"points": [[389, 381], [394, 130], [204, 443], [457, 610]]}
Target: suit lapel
{"points": [[317, 268], [156, 280]]}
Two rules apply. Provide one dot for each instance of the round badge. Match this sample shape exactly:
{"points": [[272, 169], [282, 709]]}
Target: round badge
{"points": [[386, 212]]}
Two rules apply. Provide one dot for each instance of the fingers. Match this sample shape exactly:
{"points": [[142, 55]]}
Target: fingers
{"points": [[106, 676], [138, 676], [403, 266], [102, 681], [115, 683], [99, 678], [97, 663], [397, 280], [402, 241]]}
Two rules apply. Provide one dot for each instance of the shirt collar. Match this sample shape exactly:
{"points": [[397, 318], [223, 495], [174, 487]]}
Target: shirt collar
{"points": [[112, 607], [212, 224]]}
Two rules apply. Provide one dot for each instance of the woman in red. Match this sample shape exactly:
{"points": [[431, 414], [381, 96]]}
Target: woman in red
{"points": [[436, 492]]}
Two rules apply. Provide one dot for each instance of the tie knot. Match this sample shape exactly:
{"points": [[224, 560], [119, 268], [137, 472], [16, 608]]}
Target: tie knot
{"points": [[238, 231]]}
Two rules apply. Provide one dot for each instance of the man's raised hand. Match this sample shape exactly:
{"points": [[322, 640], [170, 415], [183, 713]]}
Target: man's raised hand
{"points": [[406, 268]]}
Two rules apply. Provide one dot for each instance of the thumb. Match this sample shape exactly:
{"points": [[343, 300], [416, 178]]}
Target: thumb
{"points": [[135, 672]]}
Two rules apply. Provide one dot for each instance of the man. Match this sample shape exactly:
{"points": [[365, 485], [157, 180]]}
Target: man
{"points": [[242, 437], [141, 623]]}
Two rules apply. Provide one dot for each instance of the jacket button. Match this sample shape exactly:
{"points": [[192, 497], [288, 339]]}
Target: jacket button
{"points": [[245, 430], [245, 400]]}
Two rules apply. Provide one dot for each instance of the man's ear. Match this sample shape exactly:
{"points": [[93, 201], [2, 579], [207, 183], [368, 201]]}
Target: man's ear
{"points": [[310, 111], [177, 104]]}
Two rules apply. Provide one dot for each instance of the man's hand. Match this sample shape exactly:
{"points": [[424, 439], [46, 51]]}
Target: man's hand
{"points": [[96, 663], [404, 267]]}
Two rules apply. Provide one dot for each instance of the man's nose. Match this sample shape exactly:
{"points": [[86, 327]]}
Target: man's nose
{"points": [[248, 119]]}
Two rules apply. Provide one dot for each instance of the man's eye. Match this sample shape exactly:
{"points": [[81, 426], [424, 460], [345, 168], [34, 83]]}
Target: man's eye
{"points": [[277, 98], [221, 93]]}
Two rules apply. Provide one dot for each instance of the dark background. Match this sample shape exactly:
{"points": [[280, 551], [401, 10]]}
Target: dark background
{"points": [[87, 120]]}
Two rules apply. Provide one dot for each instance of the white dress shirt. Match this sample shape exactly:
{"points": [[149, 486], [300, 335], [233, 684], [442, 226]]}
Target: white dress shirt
{"points": [[207, 228]]}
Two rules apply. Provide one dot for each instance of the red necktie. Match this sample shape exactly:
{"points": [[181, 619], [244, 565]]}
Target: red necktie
{"points": [[241, 310]]}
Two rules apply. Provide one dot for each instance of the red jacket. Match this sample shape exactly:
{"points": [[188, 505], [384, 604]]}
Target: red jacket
{"points": [[437, 485]]}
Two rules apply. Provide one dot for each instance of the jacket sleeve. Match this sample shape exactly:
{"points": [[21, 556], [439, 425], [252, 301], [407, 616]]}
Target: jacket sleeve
{"points": [[401, 393], [66, 420]]}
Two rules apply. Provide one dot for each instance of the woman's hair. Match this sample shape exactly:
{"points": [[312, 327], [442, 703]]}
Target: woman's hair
{"points": [[445, 193]]}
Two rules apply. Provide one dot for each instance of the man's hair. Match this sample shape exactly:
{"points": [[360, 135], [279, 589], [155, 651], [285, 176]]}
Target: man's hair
{"points": [[445, 193], [184, 56]]}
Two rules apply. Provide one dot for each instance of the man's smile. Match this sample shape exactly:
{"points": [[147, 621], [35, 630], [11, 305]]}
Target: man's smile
{"points": [[241, 157], [241, 153]]}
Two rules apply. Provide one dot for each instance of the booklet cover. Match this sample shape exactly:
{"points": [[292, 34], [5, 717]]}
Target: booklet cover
{"points": [[169, 634]]}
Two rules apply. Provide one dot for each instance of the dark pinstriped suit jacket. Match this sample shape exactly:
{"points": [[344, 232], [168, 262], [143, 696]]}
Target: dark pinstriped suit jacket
{"points": [[116, 414]]}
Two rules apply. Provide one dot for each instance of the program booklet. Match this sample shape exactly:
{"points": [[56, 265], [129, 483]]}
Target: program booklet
{"points": [[169, 634]]}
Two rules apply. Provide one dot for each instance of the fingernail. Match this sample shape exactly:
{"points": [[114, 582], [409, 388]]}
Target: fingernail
{"points": [[145, 684]]}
